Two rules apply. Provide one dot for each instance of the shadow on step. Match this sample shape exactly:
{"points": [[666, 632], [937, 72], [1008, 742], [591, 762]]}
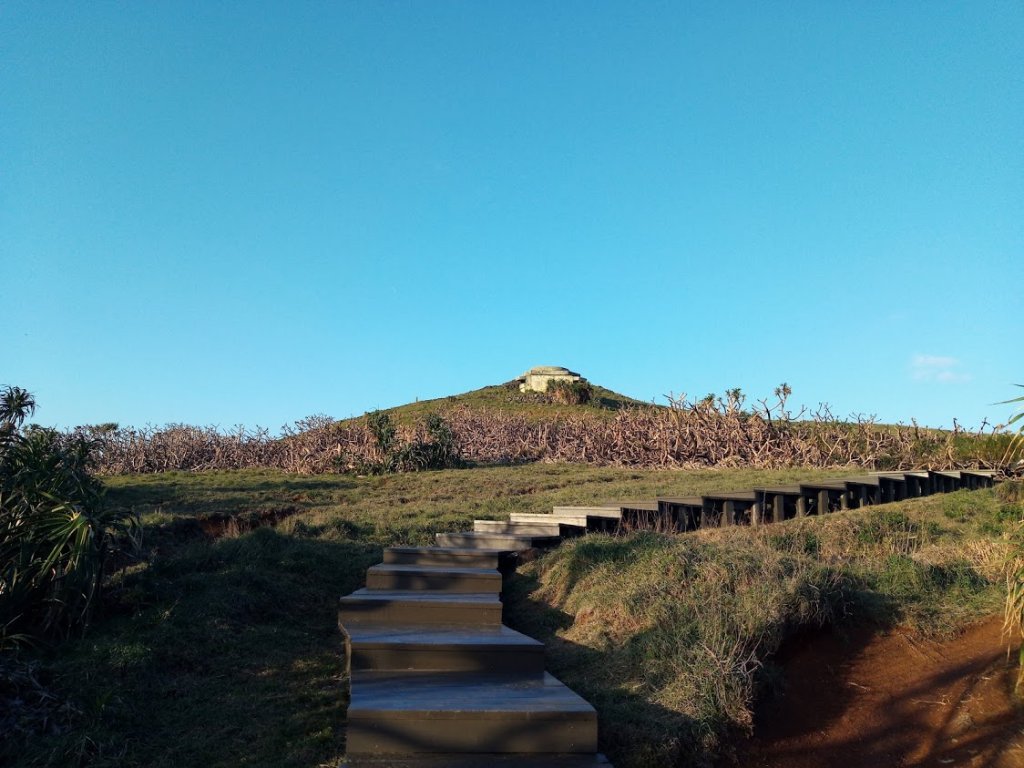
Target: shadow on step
{"points": [[452, 713]]}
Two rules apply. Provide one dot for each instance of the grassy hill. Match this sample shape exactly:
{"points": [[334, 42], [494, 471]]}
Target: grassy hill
{"points": [[219, 647], [535, 406]]}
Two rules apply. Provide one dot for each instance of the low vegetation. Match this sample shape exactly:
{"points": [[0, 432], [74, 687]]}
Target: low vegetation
{"points": [[710, 432], [532, 406], [434, 450], [218, 645], [1013, 492], [671, 637], [56, 534], [569, 392]]}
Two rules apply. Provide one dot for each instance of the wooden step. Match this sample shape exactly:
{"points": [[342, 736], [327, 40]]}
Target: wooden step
{"points": [[681, 513], [865, 490], [945, 481], [479, 761], [398, 607], [506, 541], [495, 559], [416, 712], [821, 496], [974, 479], [575, 522], [426, 648], [578, 521], [520, 528], [613, 512], [918, 484], [446, 578]]}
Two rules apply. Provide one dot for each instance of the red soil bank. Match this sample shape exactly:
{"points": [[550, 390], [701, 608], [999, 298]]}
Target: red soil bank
{"points": [[887, 700]]}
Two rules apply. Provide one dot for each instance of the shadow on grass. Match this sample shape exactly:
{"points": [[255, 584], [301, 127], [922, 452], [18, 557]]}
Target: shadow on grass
{"points": [[633, 730], [863, 699], [219, 493], [226, 653], [668, 692]]}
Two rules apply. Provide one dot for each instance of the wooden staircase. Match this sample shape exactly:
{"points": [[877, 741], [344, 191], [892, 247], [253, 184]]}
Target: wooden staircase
{"points": [[438, 680], [753, 506]]}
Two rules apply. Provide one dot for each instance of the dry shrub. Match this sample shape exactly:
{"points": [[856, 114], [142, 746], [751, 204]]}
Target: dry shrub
{"points": [[712, 432], [569, 392], [1011, 492]]}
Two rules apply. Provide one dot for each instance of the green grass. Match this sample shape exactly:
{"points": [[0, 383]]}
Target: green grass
{"points": [[669, 636], [407, 508], [507, 397], [225, 651], [225, 654]]}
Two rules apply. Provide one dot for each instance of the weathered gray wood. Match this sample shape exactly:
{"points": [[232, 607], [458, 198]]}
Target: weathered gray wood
{"points": [[417, 712], [728, 513], [398, 607], [505, 541], [823, 502], [389, 577], [376, 647], [434, 672], [779, 508], [683, 512]]}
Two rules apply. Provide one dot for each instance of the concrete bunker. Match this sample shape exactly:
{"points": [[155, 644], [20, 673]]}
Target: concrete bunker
{"points": [[536, 379]]}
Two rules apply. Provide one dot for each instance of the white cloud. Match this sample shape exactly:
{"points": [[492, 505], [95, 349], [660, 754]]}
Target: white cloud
{"points": [[937, 368], [934, 361]]}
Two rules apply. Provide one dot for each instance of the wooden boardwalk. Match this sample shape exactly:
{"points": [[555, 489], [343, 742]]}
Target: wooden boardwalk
{"points": [[438, 680], [757, 506]]}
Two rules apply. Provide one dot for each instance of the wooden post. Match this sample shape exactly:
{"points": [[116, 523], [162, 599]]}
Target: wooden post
{"points": [[692, 518], [728, 513], [755, 514], [892, 491], [822, 502], [801, 506], [778, 508]]}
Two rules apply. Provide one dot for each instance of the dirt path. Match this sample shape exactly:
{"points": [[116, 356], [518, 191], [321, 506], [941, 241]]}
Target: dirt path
{"points": [[874, 701]]}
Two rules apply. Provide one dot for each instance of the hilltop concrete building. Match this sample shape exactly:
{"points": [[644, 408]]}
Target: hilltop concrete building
{"points": [[536, 379]]}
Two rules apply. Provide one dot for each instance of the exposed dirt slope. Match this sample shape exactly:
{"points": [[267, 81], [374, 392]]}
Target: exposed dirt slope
{"points": [[871, 700]]}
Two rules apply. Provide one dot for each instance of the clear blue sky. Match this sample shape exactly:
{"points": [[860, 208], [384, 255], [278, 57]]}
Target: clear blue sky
{"points": [[240, 213]]}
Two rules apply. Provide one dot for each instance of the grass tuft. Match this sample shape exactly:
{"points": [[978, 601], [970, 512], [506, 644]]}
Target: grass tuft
{"points": [[669, 635]]}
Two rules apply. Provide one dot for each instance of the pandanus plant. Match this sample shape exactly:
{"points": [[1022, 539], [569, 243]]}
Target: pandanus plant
{"points": [[1013, 620], [16, 405], [56, 534]]}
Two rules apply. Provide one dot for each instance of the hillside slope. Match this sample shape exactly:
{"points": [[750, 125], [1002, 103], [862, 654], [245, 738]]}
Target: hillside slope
{"points": [[507, 397], [231, 607]]}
